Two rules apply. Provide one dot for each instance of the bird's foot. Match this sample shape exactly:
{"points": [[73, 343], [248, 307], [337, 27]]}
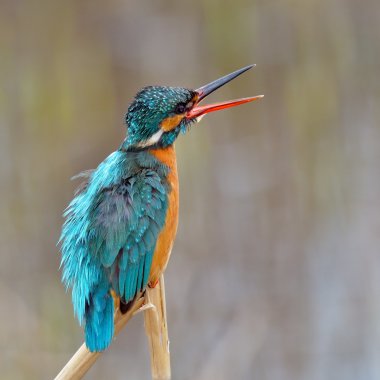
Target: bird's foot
{"points": [[154, 283]]}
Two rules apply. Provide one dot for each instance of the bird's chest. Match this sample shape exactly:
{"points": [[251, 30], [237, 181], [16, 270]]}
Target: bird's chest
{"points": [[167, 235]]}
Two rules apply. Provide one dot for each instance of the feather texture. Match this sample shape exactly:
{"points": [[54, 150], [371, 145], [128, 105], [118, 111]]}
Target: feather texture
{"points": [[109, 237]]}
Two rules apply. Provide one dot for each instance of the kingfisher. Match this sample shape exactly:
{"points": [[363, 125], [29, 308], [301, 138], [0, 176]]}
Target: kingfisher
{"points": [[120, 226]]}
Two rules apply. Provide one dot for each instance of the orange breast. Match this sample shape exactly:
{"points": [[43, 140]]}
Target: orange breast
{"points": [[167, 235]]}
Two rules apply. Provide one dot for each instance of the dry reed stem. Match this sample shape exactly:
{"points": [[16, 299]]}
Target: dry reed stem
{"points": [[83, 359], [156, 329]]}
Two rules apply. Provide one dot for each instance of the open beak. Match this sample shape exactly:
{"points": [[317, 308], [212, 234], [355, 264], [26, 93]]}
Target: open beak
{"points": [[198, 111]]}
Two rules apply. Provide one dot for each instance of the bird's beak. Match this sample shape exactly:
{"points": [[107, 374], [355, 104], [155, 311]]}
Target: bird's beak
{"points": [[198, 111]]}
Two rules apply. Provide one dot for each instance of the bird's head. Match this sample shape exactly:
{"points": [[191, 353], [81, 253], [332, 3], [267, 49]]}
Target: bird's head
{"points": [[158, 114]]}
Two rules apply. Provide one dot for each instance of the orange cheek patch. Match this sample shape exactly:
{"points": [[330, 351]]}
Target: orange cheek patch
{"points": [[171, 122]]}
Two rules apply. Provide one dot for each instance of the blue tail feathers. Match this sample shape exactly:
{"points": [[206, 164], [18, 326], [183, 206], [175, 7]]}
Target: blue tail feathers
{"points": [[99, 326]]}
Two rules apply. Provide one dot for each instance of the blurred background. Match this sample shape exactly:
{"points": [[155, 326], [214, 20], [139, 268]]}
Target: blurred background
{"points": [[275, 274]]}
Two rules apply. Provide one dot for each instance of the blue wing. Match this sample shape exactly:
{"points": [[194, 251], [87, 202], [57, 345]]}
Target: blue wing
{"points": [[109, 237], [126, 224]]}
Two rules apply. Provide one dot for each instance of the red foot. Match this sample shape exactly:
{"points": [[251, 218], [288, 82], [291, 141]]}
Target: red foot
{"points": [[154, 284]]}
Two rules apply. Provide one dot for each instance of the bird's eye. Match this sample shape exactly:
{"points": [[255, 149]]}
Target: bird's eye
{"points": [[180, 108]]}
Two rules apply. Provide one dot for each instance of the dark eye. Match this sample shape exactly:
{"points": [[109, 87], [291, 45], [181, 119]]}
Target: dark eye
{"points": [[180, 108]]}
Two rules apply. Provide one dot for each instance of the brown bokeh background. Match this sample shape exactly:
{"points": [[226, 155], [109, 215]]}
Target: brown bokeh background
{"points": [[275, 274]]}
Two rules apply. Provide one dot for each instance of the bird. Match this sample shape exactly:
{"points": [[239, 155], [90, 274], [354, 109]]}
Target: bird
{"points": [[119, 228]]}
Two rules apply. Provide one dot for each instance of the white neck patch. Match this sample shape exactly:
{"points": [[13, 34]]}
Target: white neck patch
{"points": [[152, 140]]}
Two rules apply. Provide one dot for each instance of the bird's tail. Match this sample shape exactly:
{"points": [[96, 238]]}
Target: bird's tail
{"points": [[99, 328], [92, 301]]}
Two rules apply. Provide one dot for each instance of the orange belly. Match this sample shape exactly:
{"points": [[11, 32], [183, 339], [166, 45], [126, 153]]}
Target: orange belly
{"points": [[167, 235]]}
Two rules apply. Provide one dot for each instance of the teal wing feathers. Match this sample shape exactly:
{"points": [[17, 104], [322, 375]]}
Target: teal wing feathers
{"points": [[126, 223], [109, 236]]}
